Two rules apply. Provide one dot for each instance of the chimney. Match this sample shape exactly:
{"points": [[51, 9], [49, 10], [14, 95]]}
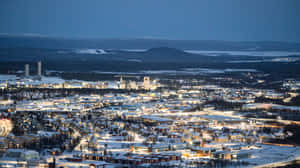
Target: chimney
{"points": [[26, 70], [39, 71]]}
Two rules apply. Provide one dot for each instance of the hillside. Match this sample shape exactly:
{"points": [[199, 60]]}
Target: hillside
{"points": [[67, 43]]}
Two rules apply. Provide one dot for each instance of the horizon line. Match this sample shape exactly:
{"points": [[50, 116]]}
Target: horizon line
{"points": [[37, 35]]}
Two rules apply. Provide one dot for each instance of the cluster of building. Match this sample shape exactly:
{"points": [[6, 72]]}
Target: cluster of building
{"points": [[193, 125], [58, 83]]}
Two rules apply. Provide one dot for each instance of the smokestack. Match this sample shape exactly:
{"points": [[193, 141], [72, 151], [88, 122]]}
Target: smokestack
{"points": [[39, 72], [26, 70]]}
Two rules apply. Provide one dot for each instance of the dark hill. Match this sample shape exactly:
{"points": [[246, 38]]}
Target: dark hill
{"points": [[165, 50], [7, 41]]}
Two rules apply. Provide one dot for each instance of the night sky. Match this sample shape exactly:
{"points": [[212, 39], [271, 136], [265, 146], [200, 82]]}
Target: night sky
{"points": [[231, 20]]}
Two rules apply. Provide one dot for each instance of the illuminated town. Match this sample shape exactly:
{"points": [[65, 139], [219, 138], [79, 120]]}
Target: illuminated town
{"points": [[145, 121], [149, 84]]}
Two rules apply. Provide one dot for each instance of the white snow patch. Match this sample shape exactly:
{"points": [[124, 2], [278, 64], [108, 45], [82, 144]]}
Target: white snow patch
{"points": [[244, 53], [91, 51]]}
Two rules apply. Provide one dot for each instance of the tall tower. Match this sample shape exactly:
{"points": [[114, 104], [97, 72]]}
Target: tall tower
{"points": [[26, 70], [147, 83], [122, 84], [39, 70], [121, 79]]}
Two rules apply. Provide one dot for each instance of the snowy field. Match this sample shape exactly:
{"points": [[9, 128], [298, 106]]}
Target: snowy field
{"points": [[185, 71], [270, 154], [201, 52], [244, 53]]}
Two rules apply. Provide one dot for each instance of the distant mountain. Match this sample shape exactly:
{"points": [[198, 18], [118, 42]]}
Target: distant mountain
{"points": [[165, 50], [158, 58], [85, 55], [166, 54], [7, 41]]}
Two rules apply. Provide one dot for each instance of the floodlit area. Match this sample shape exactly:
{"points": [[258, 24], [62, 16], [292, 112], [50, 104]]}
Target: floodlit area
{"points": [[146, 123]]}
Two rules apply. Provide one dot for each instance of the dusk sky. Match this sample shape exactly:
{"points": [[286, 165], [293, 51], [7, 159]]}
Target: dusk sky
{"points": [[232, 20]]}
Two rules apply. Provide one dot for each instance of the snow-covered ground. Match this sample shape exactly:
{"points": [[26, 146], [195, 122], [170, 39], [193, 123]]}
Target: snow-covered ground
{"points": [[7, 77], [90, 51], [244, 53], [45, 79], [190, 71], [270, 153], [204, 52]]}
